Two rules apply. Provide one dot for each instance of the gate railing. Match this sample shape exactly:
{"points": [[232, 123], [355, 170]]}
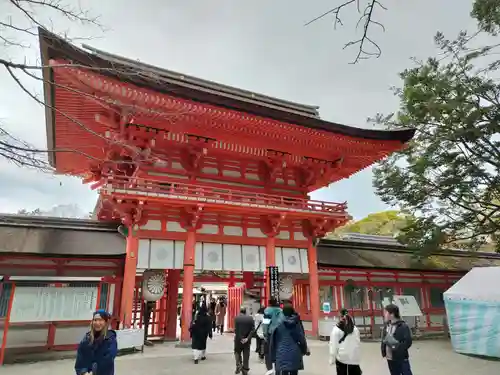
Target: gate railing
{"points": [[188, 192]]}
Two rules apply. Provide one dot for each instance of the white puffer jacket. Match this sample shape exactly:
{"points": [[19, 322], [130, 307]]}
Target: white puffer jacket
{"points": [[348, 351]]}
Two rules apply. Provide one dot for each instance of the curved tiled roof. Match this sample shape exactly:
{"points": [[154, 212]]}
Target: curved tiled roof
{"points": [[187, 87], [340, 253]]}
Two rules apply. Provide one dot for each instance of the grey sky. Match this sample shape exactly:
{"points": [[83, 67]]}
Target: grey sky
{"points": [[256, 45]]}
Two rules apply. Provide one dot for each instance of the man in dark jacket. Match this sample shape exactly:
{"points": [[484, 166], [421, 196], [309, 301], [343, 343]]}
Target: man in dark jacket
{"points": [[243, 331], [396, 340]]}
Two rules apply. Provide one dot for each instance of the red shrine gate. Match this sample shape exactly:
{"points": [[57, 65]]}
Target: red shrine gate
{"points": [[205, 177]]}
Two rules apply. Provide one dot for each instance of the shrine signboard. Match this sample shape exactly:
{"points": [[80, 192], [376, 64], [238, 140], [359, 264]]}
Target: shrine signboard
{"points": [[274, 282], [408, 306]]}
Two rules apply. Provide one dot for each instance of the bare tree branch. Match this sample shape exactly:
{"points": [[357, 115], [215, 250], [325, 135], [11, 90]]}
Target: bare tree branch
{"points": [[367, 47], [22, 153], [12, 148]]}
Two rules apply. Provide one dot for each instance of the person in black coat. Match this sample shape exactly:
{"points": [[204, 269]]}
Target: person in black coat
{"points": [[396, 340], [244, 327], [211, 312], [287, 344], [201, 329]]}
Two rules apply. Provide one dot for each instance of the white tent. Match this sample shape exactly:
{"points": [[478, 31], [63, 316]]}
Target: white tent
{"points": [[473, 312]]}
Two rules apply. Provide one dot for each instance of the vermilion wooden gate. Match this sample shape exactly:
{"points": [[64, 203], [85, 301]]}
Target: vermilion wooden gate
{"points": [[234, 302]]}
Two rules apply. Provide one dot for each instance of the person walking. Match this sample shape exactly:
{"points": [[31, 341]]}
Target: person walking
{"points": [[201, 329], [273, 315], [244, 326], [287, 344], [345, 343], [396, 340], [220, 315], [259, 333], [97, 351], [211, 312]]}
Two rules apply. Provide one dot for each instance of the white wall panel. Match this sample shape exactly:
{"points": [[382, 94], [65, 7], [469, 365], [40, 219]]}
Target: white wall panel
{"points": [[251, 258], [262, 251], [279, 258], [232, 257], [162, 254], [143, 254], [166, 254], [152, 225], [291, 260], [304, 261], [212, 256], [179, 255], [198, 256]]}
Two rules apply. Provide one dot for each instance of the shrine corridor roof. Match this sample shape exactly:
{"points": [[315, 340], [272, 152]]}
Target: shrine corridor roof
{"points": [[186, 87], [57, 236]]}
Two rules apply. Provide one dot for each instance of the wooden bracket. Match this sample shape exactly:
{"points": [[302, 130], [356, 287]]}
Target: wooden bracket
{"points": [[270, 224], [318, 228], [191, 218]]}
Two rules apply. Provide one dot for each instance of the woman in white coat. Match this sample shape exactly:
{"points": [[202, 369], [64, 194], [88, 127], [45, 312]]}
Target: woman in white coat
{"points": [[345, 342]]}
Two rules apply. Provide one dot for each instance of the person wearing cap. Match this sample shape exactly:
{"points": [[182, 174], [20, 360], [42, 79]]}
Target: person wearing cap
{"points": [[97, 351], [345, 345]]}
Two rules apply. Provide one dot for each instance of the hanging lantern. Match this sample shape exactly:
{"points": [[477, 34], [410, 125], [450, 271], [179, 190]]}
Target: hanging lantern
{"points": [[153, 285]]}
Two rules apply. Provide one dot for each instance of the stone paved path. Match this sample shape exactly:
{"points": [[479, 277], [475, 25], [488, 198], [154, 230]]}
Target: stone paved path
{"points": [[428, 358]]}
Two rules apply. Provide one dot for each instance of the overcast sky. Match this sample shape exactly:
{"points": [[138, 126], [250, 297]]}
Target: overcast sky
{"points": [[256, 45]]}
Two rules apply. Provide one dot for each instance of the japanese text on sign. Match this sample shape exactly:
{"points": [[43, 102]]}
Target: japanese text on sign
{"points": [[274, 282]]}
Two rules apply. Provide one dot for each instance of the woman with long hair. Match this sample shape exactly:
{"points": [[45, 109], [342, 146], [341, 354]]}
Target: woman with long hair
{"points": [[345, 342], [201, 329], [220, 315], [97, 351]]}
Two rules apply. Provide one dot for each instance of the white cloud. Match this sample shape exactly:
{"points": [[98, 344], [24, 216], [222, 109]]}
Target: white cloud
{"points": [[260, 46]]}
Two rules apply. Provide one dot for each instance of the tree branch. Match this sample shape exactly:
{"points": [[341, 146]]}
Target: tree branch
{"points": [[364, 42]]}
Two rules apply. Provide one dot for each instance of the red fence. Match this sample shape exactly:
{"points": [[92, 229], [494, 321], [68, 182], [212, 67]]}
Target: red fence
{"points": [[234, 302]]}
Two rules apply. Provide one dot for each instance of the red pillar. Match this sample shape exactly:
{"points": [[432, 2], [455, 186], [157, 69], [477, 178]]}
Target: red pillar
{"points": [[174, 277], [270, 261], [313, 286], [128, 285], [187, 285]]}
